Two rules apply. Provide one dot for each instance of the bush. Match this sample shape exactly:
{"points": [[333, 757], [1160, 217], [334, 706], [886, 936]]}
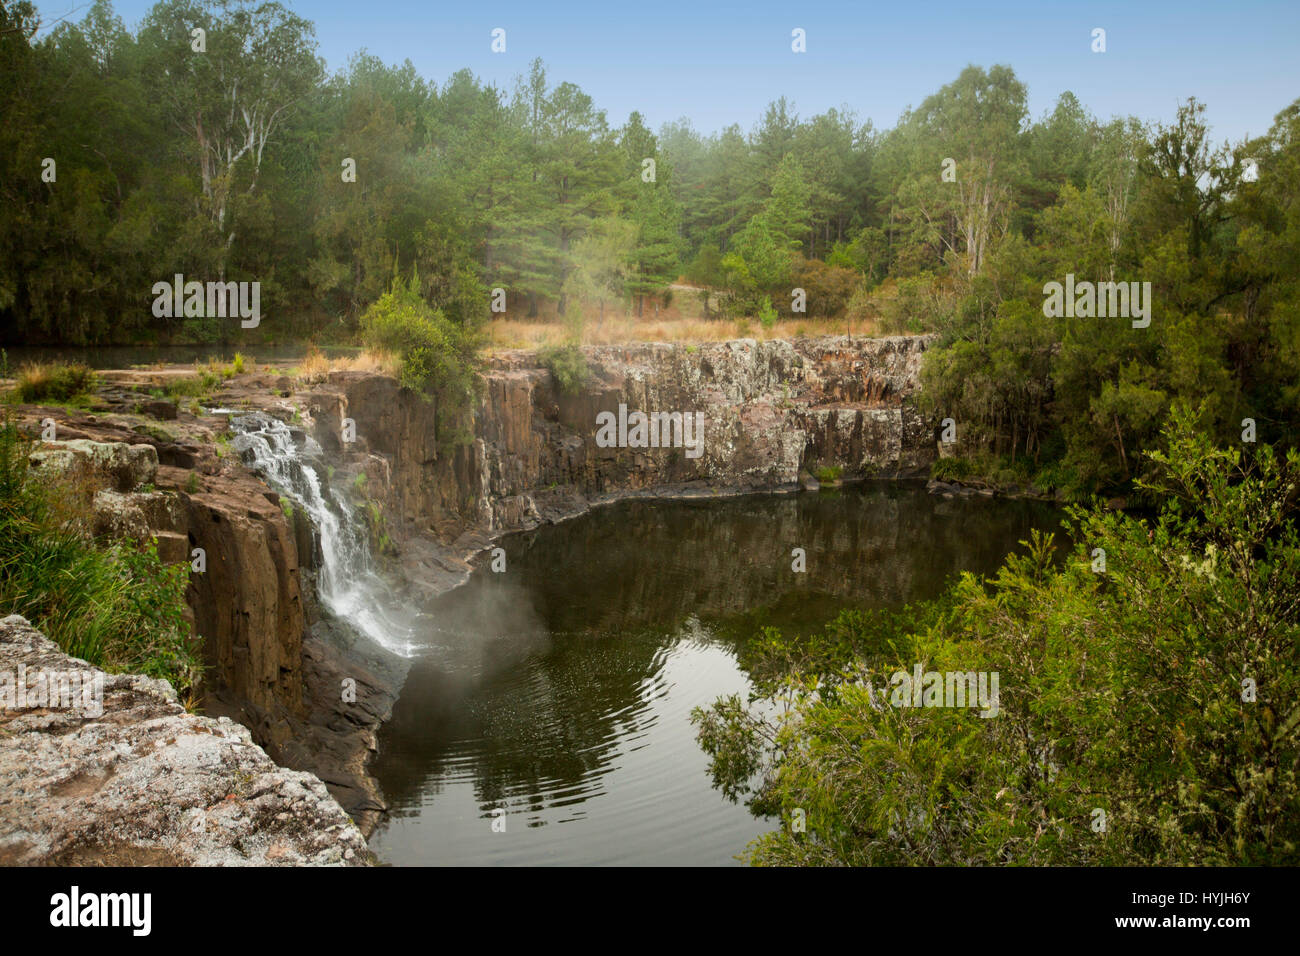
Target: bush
{"points": [[1164, 692], [439, 358], [955, 468], [114, 605], [706, 268], [568, 366], [830, 289], [767, 314], [54, 382], [201, 386]]}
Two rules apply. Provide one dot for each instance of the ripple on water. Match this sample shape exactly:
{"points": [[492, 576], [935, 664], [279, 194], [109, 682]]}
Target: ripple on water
{"points": [[561, 691]]}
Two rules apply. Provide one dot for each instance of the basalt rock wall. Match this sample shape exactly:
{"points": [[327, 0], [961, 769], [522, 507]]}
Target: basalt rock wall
{"points": [[771, 412]]}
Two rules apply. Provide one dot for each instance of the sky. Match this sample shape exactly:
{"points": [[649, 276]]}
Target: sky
{"points": [[721, 63]]}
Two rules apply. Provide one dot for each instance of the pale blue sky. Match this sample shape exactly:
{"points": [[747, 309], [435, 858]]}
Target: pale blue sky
{"points": [[719, 63]]}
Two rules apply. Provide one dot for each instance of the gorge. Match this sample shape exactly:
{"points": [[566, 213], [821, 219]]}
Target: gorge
{"points": [[328, 561]]}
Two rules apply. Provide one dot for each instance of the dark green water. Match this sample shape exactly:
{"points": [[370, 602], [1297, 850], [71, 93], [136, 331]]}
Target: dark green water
{"points": [[560, 690]]}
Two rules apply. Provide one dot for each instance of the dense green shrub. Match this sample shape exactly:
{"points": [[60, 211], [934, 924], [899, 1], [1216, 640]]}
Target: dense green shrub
{"points": [[1148, 714], [829, 289], [829, 473], [568, 365], [54, 382], [114, 605], [439, 358]]}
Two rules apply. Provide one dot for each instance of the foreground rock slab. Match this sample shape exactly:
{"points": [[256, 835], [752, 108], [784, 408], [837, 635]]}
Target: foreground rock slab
{"points": [[135, 780]]}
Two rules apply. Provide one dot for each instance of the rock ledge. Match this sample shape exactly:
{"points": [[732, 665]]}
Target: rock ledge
{"points": [[143, 782]]}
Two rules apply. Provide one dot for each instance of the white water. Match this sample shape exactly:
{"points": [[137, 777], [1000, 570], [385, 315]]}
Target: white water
{"points": [[347, 583]]}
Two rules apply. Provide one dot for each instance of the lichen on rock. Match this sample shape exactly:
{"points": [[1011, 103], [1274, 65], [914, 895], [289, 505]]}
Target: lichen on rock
{"points": [[144, 782]]}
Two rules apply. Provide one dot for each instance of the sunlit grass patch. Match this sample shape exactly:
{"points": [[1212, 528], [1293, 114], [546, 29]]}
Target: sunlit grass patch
{"points": [[514, 334], [43, 382]]}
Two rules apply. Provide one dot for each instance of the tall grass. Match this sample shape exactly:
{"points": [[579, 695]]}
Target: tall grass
{"points": [[619, 330], [114, 605], [53, 382], [316, 366]]}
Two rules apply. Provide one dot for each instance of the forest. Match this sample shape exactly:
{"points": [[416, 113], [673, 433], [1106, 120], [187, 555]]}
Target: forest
{"points": [[211, 142], [1114, 312]]}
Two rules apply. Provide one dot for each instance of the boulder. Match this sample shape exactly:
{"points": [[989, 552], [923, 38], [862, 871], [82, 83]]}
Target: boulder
{"points": [[113, 465], [160, 409]]}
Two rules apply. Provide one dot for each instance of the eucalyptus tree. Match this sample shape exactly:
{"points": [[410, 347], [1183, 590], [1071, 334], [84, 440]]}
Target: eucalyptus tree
{"points": [[228, 73], [963, 156]]}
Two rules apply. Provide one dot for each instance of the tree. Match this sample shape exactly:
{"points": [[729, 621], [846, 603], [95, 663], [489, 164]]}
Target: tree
{"points": [[231, 99], [601, 265], [787, 213], [1164, 693], [974, 121]]}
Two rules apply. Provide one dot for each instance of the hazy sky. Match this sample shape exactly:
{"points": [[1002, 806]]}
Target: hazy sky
{"points": [[719, 63]]}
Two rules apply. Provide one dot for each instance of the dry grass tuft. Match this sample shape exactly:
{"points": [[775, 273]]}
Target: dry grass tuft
{"points": [[54, 381], [316, 367], [508, 334]]}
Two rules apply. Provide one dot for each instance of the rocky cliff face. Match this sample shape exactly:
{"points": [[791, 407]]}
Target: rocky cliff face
{"points": [[131, 778], [250, 606], [770, 411], [247, 603]]}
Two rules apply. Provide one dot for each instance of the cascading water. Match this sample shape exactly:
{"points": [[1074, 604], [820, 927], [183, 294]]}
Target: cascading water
{"points": [[348, 583]]}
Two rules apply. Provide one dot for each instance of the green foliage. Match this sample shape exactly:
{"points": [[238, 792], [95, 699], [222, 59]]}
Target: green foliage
{"points": [[201, 386], [534, 189], [829, 289], [568, 366], [829, 473], [439, 357], [601, 269], [706, 268], [1120, 692], [40, 383], [114, 605]]}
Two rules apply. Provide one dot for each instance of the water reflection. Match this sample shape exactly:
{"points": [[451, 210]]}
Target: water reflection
{"points": [[561, 689]]}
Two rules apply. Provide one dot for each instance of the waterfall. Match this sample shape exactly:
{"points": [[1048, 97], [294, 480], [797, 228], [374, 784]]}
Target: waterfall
{"points": [[348, 583]]}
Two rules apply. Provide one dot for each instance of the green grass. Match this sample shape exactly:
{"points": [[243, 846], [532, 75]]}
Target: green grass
{"points": [[201, 386], [829, 473], [46, 382], [115, 605]]}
